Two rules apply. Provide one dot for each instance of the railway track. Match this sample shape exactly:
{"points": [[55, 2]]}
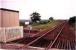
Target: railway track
{"points": [[55, 36], [44, 34], [55, 43]]}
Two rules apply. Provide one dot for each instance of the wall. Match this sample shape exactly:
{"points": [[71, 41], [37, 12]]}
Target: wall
{"points": [[0, 18], [10, 33], [9, 18], [9, 25]]}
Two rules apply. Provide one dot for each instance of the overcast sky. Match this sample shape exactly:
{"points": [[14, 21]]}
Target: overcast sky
{"points": [[59, 9]]}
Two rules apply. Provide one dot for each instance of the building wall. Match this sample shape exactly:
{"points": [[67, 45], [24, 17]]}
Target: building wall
{"points": [[9, 18], [0, 18], [9, 25]]}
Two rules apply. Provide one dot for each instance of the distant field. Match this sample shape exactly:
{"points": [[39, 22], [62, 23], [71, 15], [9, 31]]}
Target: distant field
{"points": [[45, 26]]}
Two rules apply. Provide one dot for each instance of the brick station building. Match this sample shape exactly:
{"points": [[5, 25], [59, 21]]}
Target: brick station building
{"points": [[9, 18]]}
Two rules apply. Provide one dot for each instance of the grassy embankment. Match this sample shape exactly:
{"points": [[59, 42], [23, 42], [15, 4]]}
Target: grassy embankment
{"points": [[45, 26]]}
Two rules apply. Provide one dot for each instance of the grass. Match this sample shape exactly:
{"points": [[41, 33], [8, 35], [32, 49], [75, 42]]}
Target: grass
{"points": [[45, 26]]}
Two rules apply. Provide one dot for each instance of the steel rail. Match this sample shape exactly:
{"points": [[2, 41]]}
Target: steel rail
{"points": [[62, 45], [41, 31], [35, 34], [58, 44], [69, 45], [40, 36], [50, 45], [43, 35], [33, 40]]}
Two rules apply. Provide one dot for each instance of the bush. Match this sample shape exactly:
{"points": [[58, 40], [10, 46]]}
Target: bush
{"points": [[72, 20], [44, 22]]}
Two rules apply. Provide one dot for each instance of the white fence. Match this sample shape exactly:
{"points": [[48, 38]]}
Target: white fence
{"points": [[10, 33]]}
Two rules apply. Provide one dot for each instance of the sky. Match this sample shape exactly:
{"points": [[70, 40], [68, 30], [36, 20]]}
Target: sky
{"points": [[59, 9]]}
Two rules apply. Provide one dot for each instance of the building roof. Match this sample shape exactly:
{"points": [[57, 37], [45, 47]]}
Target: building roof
{"points": [[9, 10]]}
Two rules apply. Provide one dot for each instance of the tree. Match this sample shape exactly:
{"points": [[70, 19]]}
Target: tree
{"points": [[51, 18], [35, 17], [72, 20]]}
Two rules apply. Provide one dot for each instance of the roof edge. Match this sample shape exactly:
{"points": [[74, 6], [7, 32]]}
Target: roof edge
{"points": [[8, 10]]}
